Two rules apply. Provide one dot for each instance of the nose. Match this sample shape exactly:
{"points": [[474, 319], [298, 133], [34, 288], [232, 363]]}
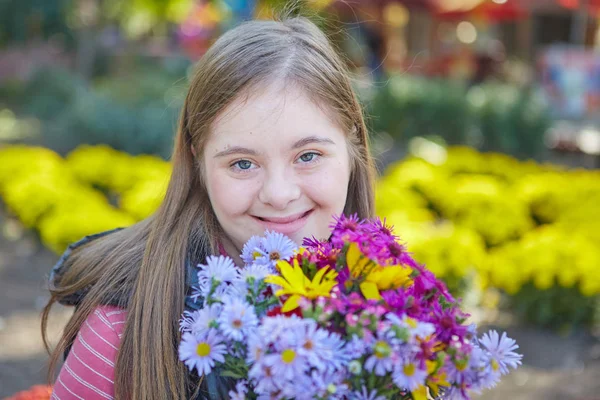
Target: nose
{"points": [[279, 189]]}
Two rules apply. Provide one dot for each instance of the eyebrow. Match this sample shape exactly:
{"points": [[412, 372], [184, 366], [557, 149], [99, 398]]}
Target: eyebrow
{"points": [[312, 139], [236, 150], [300, 143]]}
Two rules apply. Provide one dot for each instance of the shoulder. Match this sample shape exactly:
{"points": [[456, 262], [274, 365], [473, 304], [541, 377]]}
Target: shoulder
{"points": [[89, 370], [109, 319], [60, 266], [101, 333], [81, 242]]}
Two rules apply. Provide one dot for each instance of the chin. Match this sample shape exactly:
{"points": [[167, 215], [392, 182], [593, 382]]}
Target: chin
{"points": [[319, 234], [297, 238]]}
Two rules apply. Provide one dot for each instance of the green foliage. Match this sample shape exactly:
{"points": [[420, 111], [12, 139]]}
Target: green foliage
{"points": [[136, 113], [510, 119], [556, 308], [49, 92], [410, 106], [23, 19], [491, 117]]}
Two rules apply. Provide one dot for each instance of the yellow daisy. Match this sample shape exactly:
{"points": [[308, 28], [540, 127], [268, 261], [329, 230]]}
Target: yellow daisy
{"points": [[295, 284], [375, 277]]}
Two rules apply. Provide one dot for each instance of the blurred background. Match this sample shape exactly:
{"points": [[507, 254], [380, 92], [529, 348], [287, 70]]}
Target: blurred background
{"points": [[485, 117]]}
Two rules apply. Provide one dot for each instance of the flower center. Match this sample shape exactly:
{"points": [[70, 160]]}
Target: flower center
{"points": [[256, 255], [288, 356], [461, 365], [350, 225], [495, 365], [257, 353], [308, 345], [409, 369], [203, 349], [382, 349], [237, 323], [274, 255]]}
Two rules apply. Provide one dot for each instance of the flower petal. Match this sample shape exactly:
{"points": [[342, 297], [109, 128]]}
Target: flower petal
{"points": [[420, 393], [291, 303], [370, 291], [357, 262]]}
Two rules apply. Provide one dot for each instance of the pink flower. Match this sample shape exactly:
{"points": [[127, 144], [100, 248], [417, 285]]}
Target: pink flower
{"points": [[351, 320]]}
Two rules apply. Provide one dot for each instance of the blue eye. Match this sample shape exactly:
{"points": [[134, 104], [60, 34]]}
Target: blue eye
{"points": [[243, 164], [309, 157]]}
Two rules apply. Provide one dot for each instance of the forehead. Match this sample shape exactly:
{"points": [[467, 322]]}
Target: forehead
{"points": [[275, 114]]}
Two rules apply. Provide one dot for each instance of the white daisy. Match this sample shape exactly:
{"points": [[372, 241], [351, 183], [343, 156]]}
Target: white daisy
{"points": [[237, 318], [199, 321], [201, 352], [219, 271]]}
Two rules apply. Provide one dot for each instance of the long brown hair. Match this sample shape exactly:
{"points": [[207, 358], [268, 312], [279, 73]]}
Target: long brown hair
{"points": [[142, 268]]}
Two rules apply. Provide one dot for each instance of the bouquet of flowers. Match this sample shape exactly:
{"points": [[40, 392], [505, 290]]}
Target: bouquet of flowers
{"points": [[354, 317]]}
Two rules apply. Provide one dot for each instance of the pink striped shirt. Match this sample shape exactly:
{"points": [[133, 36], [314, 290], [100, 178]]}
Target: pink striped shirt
{"points": [[89, 370]]}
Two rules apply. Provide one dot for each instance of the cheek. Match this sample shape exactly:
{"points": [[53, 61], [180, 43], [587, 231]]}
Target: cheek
{"points": [[229, 197], [329, 187]]}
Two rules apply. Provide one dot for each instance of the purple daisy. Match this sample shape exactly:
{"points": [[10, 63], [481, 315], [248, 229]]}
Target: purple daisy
{"points": [[383, 356], [286, 364], [365, 394], [409, 375], [253, 249], [255, 273], [323, 350], [501, 350], [275, 246], [199, 321], [237, 318], [241, 388], [219, 271], [201, 352]]}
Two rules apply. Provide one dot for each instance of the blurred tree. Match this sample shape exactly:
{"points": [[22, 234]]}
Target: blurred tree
{"points": [[23, 20], [142, 17], [132, 19]]}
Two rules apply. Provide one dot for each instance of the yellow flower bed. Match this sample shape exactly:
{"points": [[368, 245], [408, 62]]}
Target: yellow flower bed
{"points": [[509, 222], [546, 256], [38, 186], [140, 182]]}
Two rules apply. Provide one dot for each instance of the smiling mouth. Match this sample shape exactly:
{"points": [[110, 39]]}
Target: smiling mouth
{"points": [[285, 220]]}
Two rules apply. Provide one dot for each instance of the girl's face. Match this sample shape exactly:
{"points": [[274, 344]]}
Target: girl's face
{"points": [[275, 161]]}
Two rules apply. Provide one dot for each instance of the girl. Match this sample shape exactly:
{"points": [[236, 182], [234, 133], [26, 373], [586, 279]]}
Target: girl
{"points": [[271, 136]]}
